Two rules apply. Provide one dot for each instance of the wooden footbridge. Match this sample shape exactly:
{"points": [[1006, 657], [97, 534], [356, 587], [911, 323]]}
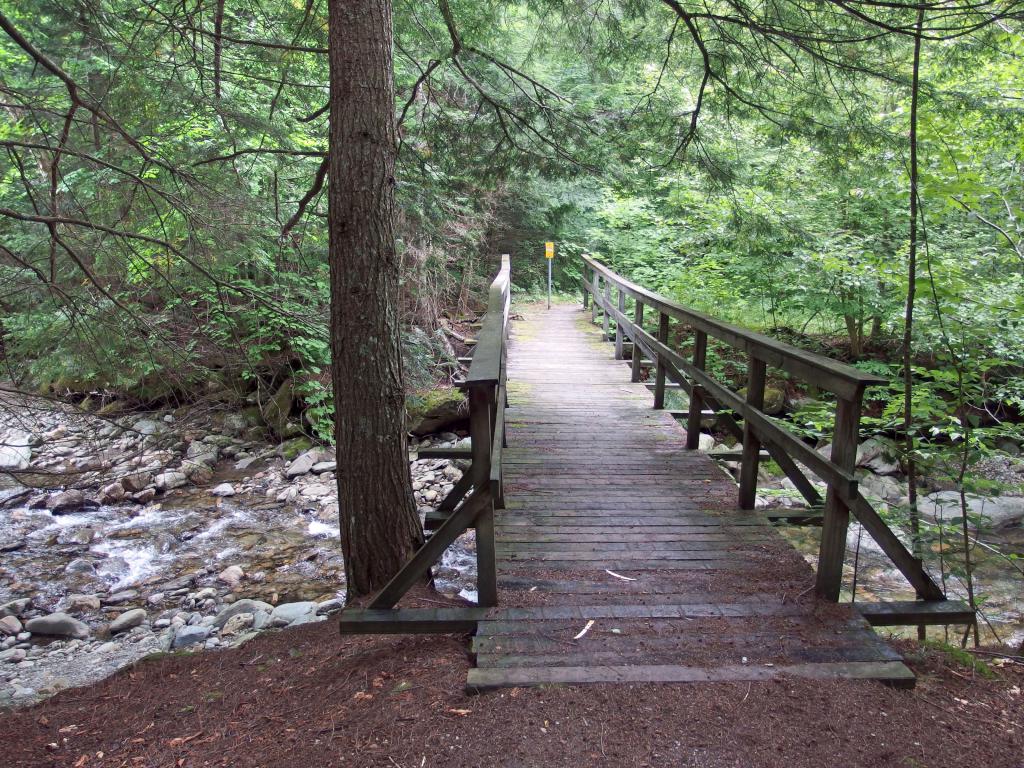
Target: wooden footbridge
{"points": [[608, 548]]}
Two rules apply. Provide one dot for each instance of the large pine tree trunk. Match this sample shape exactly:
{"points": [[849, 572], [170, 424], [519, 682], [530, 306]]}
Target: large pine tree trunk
{"points": [[379, 525]]}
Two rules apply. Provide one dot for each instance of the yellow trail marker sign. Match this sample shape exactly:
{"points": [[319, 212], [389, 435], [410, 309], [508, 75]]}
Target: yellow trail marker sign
{"points": [[549, 250]]}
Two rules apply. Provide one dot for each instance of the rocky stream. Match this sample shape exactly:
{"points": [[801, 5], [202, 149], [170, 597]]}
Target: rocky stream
{"points": [[125, 536]]}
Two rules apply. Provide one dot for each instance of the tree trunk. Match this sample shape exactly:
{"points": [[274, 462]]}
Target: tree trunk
{"points": [[380, 528]]}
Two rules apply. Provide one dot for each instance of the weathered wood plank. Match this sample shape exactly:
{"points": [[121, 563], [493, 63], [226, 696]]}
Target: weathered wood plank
{"points": [[891, 672], [912, 613]]}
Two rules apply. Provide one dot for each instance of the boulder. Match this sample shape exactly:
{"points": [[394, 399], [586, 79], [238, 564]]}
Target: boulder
{"points": [[435, 410], [128, 620], [1000, 511], [15, 607], [241, 606], [774, 401], [58, 625], [149, 427], [277, 411], [705, 442], [111, 494], [292, 613], [303, 463], [189, 635], [232, 575], [15, 450], [68, 501], [144, 496], [224, 489], [237, 623], [137, 481], [167, 481], [324, 466]]}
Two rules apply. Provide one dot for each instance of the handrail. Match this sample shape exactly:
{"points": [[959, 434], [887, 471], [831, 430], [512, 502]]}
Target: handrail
{"points": [[472, 501], [758, 429], [839, 378], [488, 355]]}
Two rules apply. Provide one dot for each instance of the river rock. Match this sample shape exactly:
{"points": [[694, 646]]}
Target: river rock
{"points": [[316, 491], [78, 603], [167, 481], [15, 607], [224, 489], [705, 442], [237, 623], [58, 625], [149, 427], [324, 466], [144, 496], [15, 450], [189, 635], [13, 655], [10, 626], [111, 494], [330, 606], [116, 598], [232, 575], [998, 510], [128, 620], [137, 481], [68, 501], [303, 463], [241, 606], [293, 613]]}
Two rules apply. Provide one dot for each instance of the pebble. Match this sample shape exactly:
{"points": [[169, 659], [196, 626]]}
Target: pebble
{"points": [[189, 636]]}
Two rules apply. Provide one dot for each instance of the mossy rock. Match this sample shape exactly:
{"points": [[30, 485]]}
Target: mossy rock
{"points": [[774, 400], [277, 411], [435, 410], [290, 449]]}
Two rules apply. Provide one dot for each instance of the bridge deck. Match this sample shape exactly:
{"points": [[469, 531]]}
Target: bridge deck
{"points": [[611, 526]]}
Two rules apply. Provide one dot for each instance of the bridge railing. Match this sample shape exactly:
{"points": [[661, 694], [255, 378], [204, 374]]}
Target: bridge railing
{"points": [[744, 417], [472, 501]]}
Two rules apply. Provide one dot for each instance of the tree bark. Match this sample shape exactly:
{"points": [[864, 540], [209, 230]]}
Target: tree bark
{"points": [[380, 528]]}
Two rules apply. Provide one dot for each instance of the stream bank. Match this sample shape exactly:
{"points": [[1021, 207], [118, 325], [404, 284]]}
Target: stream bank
{"points": [[124, 537]]}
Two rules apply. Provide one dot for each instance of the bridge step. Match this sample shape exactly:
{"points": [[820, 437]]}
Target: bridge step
{"points": [[910, 613], [894, 673]]}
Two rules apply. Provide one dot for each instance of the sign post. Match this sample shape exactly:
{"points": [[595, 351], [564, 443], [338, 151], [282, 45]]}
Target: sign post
{"points": [[549, 254]]}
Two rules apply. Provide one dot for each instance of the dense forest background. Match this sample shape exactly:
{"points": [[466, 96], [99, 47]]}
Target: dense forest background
{"points": [[162, 204]]}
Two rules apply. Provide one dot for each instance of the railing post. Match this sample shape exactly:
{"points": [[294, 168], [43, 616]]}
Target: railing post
{"points": [[638, 321], [607, 306], [836, 516], [481, 425], [583, 281], [659, 371], [619, 335], [694, 418], [756, 370], [596, 284]]}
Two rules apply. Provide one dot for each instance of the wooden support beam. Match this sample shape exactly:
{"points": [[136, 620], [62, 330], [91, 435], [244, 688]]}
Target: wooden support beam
{"points": [[832, 551], [410, 621], [659, 375], [619, 335], [636, 353], [912, 613], [444, 453], [756, 371], [416, 569], [693, 423]]}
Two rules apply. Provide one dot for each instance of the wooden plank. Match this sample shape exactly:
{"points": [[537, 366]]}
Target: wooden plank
{"points": [[912, 613], [893, 673], [409, 621], [444, 453]]}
